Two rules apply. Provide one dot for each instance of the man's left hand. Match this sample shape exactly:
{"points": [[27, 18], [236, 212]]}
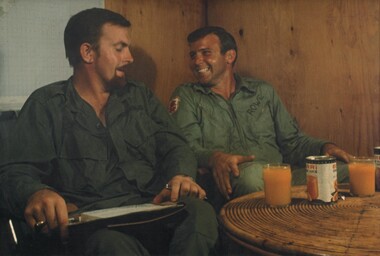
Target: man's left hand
{"points": [[333, 150], [179, 185]]}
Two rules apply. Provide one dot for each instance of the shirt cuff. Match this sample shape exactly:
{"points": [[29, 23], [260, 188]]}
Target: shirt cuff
{"points": [[203, 158]]}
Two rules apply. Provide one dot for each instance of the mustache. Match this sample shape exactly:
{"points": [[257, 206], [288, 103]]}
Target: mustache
{"points": [[123, 68]]}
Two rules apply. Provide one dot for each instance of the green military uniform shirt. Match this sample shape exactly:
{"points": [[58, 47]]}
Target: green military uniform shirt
{"points": [[60, 144], [253, 121]]}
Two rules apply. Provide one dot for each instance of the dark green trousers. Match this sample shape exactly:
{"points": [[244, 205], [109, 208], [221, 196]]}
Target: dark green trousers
{"points": [[195, 234]]}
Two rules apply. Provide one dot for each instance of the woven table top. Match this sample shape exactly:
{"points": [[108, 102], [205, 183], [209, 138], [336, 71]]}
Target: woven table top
{"points": [[348, 227]]}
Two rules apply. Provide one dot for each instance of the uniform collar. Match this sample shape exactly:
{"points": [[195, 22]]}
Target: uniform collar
{"points": [[73, 101], [242, 84], [76, 104], [82, 110]]}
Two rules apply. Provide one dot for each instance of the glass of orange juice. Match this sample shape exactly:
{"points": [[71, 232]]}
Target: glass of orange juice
{"points": [[362, 176], [277, 184]]}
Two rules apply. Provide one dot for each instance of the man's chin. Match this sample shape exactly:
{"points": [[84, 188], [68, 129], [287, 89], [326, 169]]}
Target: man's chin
{"points": [[117, 83], [205, 84], [203, 81]]}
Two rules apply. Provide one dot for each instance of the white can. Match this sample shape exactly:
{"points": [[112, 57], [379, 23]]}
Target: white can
{"points": [[321, 178]]}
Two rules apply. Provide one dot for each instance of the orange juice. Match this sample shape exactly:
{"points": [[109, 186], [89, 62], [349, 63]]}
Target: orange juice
{"points": [[362, 176], [277, 184]]}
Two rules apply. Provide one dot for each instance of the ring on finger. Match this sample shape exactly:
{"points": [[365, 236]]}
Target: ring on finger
{"points": [[39, 225]]}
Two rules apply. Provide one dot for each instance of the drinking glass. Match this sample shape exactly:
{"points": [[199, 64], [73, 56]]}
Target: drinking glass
{"points": [[277, 184], [362, 176]]}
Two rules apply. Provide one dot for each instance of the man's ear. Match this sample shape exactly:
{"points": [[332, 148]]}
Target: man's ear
{"points": [[87, 53], [230, 56]]}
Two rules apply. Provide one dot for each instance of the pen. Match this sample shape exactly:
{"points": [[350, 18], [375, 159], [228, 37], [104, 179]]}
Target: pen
{"points": [[41, 224], [75, 219]]}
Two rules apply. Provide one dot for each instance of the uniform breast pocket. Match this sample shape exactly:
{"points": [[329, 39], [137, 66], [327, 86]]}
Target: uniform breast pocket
{"points": [[140, 138], [78, 144], [216, 125], [259, 122], [82, 162]]}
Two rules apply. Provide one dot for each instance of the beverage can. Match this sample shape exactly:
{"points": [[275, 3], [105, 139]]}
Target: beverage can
{"points": [[321, 178], [376, 153]]}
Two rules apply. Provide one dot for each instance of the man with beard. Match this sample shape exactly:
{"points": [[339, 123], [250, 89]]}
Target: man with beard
{"points": [[235, 124], [99, 140]]}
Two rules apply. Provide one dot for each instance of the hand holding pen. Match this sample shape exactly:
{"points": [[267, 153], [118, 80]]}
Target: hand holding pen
{"points": [[179, 185], [46, 210]]}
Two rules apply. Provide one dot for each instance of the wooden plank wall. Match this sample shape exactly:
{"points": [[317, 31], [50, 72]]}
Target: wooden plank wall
{"points": [[159, 30], [322, 56]]}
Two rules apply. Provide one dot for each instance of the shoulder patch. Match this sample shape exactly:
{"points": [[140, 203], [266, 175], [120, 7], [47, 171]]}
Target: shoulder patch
{"points": [[174, 105]]}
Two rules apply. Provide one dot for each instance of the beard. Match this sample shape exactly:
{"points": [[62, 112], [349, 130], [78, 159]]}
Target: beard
{"points": [[116, 83]]}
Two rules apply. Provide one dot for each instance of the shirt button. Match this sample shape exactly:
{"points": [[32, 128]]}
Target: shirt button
{"points": [[98, 125]]}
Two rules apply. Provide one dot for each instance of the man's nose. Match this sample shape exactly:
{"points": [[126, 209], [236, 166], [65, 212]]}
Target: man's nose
{"points": [[197, 59], [128, 58]]}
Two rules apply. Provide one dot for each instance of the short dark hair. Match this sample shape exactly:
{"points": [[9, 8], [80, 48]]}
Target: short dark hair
{"points": [[86, 26], [227, 41]]}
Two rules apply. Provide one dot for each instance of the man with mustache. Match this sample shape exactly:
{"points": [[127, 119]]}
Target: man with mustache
{"points": [[234, 124], [99, 140]]}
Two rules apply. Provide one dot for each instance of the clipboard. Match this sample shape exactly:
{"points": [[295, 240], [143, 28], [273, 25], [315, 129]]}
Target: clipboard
{"points": [[125, 218]]}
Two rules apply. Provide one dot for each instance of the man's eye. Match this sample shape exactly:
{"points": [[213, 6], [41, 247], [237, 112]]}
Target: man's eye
{"points": [[119, 49], [207, 53]]}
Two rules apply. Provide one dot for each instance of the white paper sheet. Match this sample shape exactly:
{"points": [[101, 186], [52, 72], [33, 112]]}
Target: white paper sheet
{"points": [[124, 210]]}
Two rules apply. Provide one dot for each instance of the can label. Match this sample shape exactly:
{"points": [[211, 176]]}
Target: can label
{"points": [[321, 178], [376, 153]]}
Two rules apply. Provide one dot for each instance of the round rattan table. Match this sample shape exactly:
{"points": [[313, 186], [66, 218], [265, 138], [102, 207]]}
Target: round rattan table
{"points": [[347, 227]]}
